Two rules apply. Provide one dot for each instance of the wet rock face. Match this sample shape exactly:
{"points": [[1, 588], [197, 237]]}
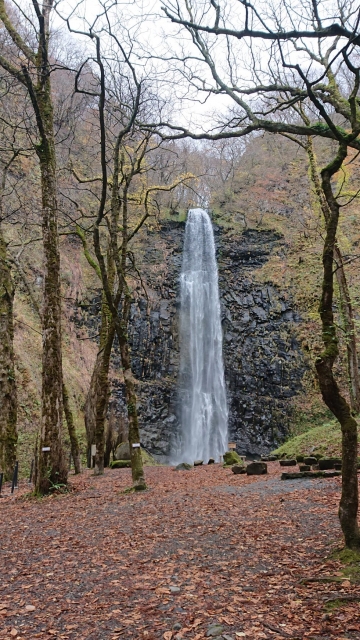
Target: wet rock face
{"points": [[263, 363]]}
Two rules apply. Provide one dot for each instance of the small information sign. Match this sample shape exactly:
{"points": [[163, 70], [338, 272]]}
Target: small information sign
{"points": [[45, 449], [93, 449], [136, 445]]}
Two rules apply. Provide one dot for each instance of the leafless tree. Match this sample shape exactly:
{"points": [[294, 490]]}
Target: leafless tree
{"points": [[304, 54]]}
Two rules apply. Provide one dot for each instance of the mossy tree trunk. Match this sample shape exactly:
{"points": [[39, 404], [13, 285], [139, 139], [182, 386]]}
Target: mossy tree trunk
{"points": [[137, 468], [324, 364], [32, 69], [345, 298], [8, 398], [97, 399], [74, 443], [52, 466]]}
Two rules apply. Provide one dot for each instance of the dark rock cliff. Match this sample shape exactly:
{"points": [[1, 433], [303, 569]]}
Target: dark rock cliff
{"points": [[263, 363]]}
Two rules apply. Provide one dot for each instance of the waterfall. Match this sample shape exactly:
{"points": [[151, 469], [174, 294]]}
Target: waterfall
{"points": [[202, 393]]}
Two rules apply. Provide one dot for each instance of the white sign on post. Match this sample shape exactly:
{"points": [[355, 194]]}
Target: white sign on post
{"points": [[136, 445], [93, 449], [45, 449]]}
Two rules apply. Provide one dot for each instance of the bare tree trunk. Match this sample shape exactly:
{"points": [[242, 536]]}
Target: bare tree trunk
{"points": [[74, 443], [345, 299], [324, 365], [8, 398]]}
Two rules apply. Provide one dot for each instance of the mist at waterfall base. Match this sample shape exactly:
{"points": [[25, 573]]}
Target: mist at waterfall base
{"points": [[202, 395]]}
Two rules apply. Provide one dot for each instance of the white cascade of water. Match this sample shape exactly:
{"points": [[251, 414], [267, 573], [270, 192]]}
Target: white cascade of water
{"points": [[202, 393]]}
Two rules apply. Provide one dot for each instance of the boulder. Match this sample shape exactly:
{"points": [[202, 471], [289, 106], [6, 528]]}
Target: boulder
{"points": [[238, 468], [288, 463], [211, 461], [310, 460], [122, 452], [230, 458], [299, 458], [183, 466], [304, 467], [256, 468], [328, 463], [120, 464], [272, 458], [198, 463]]}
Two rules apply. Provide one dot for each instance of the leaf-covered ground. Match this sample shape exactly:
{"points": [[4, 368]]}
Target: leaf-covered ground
{"points": [[201, 548]]}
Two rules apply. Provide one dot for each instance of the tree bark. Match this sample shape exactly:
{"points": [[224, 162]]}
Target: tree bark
{"points": [[137, 469], [98, 395], [74, 443], [345, 298], [52, 468], [324, 365], [8, 397]]}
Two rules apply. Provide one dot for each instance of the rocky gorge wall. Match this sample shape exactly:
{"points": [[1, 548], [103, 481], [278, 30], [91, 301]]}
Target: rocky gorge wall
{"points": [[264, 365]]}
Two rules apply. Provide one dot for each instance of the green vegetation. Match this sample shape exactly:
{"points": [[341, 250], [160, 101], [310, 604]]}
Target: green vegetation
{"points": [[230, 458], [324, 440], [351, 561]]}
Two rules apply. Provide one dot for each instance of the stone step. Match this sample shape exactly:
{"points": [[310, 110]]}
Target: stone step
{"points": [[310, 474]]}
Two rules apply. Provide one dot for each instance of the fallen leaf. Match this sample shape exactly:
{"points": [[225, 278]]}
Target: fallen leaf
{"points": [[13, 633], [167, 635], [30, 607]]}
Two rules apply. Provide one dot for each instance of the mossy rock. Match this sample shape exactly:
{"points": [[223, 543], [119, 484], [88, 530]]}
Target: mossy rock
{"points": [[183, 466], [230, 458], [148, 460], [120, 464]]}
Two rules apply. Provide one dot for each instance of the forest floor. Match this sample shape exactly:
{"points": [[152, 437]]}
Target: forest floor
{"points": [[202, 553]]}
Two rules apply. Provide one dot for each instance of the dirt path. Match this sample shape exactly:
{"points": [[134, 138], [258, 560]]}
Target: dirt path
{"points": [[199, 549]]}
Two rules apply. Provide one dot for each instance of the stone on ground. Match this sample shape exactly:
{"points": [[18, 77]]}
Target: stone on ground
{"points": [[328, 463], [120, 464], [198, 463], [304, 467], [230, 458], [183, 466], [211, 461], [256, 468], [122, 452], [310, 460], [288, 463], [238, 468], [214, 631]]}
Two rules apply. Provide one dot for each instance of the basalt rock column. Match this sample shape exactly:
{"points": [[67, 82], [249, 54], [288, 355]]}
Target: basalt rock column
{"points": [[202, 394]]}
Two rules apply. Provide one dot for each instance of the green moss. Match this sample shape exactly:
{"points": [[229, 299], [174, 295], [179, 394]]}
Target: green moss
{"points": [[147, 459], [351, 561], [230, 458], [333, 605], [120, 464], [318, 442]]}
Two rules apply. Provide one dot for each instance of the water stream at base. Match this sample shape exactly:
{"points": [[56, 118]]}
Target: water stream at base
{"points": [[202, 393]]}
